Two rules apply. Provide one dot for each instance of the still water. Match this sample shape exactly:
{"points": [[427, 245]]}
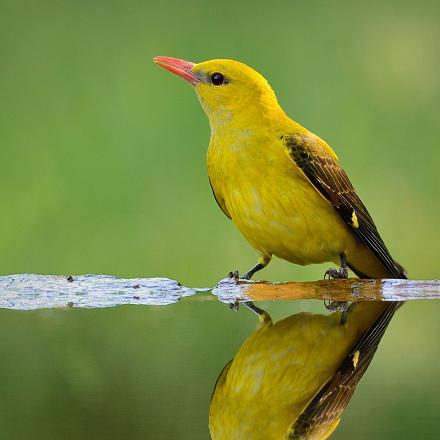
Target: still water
{"points": [[148, 372]]}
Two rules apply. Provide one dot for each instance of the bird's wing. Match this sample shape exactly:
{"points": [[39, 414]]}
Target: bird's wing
{"points": [[320, 165], [221, 205], [325, 409]]}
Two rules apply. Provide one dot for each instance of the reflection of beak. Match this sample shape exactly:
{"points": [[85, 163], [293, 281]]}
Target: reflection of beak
{"points": [[181, 68]]}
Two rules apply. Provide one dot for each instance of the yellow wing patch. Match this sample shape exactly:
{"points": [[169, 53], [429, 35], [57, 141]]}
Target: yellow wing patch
{"points": [[354, 220], [356, 358]]}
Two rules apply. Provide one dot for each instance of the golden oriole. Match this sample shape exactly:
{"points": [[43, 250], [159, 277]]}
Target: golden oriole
{"points": [[285, 190], [280, 184]]}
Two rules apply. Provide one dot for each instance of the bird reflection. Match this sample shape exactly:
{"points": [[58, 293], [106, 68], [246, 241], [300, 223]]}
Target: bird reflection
{"points": [[292, 379]]}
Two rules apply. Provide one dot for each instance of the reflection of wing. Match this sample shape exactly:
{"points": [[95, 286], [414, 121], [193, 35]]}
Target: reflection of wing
{"points": [[322, 414], [320, 165], [221, 377]]}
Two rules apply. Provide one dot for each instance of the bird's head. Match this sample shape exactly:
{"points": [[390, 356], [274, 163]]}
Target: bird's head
{"points": [[225, 87]]}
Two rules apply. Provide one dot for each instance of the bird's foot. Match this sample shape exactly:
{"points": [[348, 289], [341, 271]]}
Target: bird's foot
{"points": [[335, 273], [250, 273], [234, 275], [338, 273], [234, 305], [333, 306]]}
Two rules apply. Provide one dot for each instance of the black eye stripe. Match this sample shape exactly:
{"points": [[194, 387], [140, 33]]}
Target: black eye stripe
{"points": [[217, 79]]}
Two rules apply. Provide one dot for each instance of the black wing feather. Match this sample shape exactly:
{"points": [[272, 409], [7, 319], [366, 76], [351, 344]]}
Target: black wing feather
{"points": [[326, 407], [220, 205], [328, 177], [324, 172]]}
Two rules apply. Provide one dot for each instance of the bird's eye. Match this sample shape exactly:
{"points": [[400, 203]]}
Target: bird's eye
{"points": [[218, 79]]}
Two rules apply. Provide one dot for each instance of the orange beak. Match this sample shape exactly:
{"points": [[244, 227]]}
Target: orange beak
{"points": [[181, 68]]}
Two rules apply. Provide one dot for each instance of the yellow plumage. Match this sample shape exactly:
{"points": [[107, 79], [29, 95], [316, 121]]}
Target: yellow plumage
{"points": [[258, 185], [280, 184], [277, 372], [271, 202], [285, 190]]}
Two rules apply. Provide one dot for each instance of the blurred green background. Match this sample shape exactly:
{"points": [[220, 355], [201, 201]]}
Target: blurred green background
{"points": [[103, 171]]}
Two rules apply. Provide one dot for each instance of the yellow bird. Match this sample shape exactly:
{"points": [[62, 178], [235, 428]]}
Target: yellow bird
{"points": [[285, 190], [281, 185], [285, 383]]}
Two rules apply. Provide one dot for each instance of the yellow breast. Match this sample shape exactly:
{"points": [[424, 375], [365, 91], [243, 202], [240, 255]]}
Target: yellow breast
{"points": [[271, 201]]}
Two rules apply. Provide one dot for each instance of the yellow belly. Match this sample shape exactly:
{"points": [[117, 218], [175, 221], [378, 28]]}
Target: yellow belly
{"points": [[275, 207], [285, 216]]}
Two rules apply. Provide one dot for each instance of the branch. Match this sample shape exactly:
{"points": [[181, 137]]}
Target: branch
{"points": [[30, 292], [351, 289]]}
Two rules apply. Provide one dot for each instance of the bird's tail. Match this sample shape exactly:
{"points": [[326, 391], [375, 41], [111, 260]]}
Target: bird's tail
{"points": [[322, 414]]}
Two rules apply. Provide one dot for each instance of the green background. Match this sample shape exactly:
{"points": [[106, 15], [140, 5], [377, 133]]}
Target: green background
{"points": [[102, 159]]}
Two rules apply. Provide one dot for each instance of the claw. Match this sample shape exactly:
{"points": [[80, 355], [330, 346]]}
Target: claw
{"points": [[234, 305], [234, 275], [333, 306], [334, 273], [342, 272]]}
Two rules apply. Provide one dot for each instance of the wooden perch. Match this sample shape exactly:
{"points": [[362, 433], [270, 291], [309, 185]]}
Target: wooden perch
{"points": [[351, 289], [29, 292]]}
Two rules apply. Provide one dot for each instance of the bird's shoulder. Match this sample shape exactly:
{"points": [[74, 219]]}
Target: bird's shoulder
{"points": [[299, 137], [320, 164], [303, 145]]}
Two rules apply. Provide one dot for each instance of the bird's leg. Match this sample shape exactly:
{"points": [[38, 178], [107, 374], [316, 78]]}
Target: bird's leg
{"points": [[253, 308], [333, 306], [249, 304], [342, 272], [250, 273], [263, 317], [263, 261]]}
